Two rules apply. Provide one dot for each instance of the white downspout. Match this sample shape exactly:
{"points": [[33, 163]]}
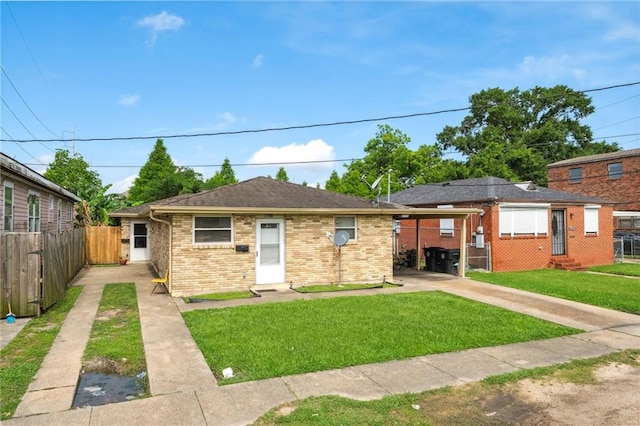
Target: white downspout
{"points": [[170, 246]]}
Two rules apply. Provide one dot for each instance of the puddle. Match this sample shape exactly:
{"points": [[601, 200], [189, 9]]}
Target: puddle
{"points": [[100, 389]]}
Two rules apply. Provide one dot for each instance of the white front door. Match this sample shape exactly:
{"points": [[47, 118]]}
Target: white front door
{"points": [[140, 247], [269, 251]]}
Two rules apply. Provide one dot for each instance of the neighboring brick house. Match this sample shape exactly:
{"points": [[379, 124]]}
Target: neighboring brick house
{"points": [[527, 227], [263, 233], [614, 175], [32, 203]]}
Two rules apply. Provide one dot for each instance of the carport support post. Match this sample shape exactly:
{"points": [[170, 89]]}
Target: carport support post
{"points": [[418, 244], [463, 248]]}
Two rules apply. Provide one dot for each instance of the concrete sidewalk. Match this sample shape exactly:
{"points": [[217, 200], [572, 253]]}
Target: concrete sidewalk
{"points": [[185, 391]]}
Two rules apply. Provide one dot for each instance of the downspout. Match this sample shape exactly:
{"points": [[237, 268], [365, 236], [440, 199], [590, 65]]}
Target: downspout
{"points": [[463, 249], [170, 246]]}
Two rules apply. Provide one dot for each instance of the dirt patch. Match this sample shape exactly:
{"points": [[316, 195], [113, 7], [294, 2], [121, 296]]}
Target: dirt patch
{"points": [[107, 315], [103, 365]]}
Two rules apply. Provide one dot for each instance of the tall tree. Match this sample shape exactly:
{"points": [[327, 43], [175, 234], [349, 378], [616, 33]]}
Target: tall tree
{"points": [[516, 134], [282, 175], [334, 183], [225, 176], [73, 174], [190, 180], [157, 178]]}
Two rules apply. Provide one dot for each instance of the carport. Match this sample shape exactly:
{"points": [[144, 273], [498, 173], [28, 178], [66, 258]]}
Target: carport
{"points": [[418, 214]]}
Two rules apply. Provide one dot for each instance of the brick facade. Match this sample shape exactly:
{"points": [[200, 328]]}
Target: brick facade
{"points": [[310, 258], [595, 181], [521, 252]]}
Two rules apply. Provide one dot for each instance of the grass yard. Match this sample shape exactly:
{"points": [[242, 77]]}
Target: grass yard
{"points": [[321, 288], [22, 357], [115, 344], [619, 293], [279, 339], [630, 269]]}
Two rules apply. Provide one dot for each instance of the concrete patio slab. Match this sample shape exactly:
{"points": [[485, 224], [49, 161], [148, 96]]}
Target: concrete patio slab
{"points": [[470, 365], [412, 375], [347, 382], [524, 355], [243, 403]]}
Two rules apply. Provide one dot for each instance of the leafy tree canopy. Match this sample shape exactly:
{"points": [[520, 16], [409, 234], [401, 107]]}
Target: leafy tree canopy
{"points": [[514, 134], [158, 178], [225, 176], [282, 175]]}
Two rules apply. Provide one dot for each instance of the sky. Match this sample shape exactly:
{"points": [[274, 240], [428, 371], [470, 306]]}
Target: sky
{"points": [[100, 70]]}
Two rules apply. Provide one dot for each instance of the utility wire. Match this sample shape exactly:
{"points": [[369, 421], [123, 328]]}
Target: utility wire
{"points": [[39, 163], [305, 126], [25, 102], [25, 127]]}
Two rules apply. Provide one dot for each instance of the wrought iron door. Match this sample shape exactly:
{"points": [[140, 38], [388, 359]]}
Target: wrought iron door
{"points": [[558, 232]]}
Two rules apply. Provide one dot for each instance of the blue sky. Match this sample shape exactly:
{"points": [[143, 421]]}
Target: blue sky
{"points": [[119, 69]]}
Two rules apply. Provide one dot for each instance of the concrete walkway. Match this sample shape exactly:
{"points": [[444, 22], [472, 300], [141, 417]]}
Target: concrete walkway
{"points": [[185, 392]]}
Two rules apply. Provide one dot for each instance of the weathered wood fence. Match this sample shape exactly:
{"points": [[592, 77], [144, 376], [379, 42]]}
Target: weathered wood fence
{"points": [[103, 244], [36, 269]]}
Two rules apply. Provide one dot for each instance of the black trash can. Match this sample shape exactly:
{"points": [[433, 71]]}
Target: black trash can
{"points": [[452, 261], [441, 259], [430, 254]]}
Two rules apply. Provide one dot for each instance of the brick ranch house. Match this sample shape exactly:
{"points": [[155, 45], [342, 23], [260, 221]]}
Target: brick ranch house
{"points": [[263, 233], [614, 175], [32, 203], [527, 227]]}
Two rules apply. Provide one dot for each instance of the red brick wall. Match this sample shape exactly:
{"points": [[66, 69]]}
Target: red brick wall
{"points": [[625, 192], [521, 252]]}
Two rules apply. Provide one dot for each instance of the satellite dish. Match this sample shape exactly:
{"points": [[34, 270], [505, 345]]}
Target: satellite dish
{"points": [[376, 182], [341, 238]]}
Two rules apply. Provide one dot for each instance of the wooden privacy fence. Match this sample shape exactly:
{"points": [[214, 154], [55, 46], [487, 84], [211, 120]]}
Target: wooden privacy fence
{"points": [[36, 269], [103, 244]]}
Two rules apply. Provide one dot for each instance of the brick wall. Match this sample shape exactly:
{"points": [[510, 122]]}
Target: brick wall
{"points": [[310, 258], [625, 192], [521, 252]]}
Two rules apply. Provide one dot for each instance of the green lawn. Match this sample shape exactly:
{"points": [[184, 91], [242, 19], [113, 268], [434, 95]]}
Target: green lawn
{"points": [[279, 339], [22, 357], [629, 269], [116, 334], [619, 293]]}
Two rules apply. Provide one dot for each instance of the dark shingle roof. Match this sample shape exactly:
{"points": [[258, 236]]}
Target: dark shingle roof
{"points": [[262, 192], [598, 157], [487, 189]]}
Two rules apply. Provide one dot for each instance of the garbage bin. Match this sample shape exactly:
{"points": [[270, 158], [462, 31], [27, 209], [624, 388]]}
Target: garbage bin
{"points": [[441, 259], [430, 254], [452, 261]]}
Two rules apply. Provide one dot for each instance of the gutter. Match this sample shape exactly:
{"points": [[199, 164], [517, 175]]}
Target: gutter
{"points": [[170, 246]]}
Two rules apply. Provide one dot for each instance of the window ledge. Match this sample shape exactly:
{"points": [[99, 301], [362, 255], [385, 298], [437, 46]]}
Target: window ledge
{"points": [[212, 246]]}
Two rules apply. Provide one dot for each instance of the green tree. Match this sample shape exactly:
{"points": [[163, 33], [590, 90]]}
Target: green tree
{"points": [[334, 183], [225, 176], [73, 174], [282, 175], [190, 180], [429, 167], [158, 178], [516, 134]]}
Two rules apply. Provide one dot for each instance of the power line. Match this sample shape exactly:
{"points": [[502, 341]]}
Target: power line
{"points": [[305, 126], [19, 121], [20, 146], [25, 102]]}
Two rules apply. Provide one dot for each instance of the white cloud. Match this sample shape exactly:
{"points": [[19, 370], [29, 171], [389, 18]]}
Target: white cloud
{"points": [[315, 150], [257, 61], [122, 185], [129, 100], [551, 67], [160, 23]]}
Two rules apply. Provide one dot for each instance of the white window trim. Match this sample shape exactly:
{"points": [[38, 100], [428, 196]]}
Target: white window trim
{"points": [[39, 216], [591, 224], [507, 215], [446, 224], [213, 243], [355, 226], [13, 204]]}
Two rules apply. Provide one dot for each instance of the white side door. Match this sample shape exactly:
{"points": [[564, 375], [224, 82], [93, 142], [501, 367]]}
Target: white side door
{"points": [[140, 247], [269, 251]]}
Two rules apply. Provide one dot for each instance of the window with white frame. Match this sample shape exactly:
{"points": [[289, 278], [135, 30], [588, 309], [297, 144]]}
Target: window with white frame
{"points": [[524, 219], [33, 205], [8, 207], [446, 225], [51, 208], [212, 229], [591, 216], [59, 216], [346, 223]]}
